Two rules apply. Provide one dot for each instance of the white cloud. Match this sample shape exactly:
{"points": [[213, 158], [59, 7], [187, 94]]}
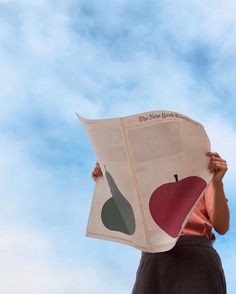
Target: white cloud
{"points": [[30, 262], [31, 69], [195, 19], [223, 138], [118, 59], [27, 2], [226, 250]]}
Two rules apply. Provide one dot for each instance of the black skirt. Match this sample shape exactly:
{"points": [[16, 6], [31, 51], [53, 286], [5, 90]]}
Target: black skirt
{"points": [[192, 266]]}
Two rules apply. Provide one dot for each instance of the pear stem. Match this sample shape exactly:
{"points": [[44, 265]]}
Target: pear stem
{"points": [[176, 178]]}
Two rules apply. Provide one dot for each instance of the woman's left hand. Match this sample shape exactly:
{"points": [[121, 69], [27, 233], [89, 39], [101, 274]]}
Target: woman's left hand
{"points": [[217, 165]]}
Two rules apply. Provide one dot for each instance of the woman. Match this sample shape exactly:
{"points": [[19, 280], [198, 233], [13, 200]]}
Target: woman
{"points": [[192, 266]]}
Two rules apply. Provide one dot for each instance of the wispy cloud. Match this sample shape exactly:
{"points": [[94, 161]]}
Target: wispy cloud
{"points": [[101, 59]]}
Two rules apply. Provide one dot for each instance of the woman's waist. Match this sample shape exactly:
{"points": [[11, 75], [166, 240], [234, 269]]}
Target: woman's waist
{"points": [[186, 240], [193, 240]]}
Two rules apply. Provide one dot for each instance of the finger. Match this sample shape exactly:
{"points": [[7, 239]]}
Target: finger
{"points": [[220, 167], [94, 174], [217, 166], [213, 154], [213, 164], [94, 177], [95, 171], [214, 160], [211, 167], [217, 159], [98, 170]]}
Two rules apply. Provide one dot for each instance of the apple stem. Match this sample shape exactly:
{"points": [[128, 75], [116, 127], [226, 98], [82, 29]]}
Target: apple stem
{"points": [[176, 178]]}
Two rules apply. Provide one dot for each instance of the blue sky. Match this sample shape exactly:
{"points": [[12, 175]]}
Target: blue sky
{"points": [[102, 59]]}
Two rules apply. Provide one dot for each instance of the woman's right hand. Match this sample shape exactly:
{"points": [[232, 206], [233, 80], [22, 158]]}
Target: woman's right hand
{"points": [[97, 172]]}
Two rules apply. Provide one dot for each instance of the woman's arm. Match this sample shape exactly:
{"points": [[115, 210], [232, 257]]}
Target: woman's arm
{"points": [[220, 216]]}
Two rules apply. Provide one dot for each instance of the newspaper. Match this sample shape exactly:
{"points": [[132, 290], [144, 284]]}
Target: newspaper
{"points": [[154, 173]]}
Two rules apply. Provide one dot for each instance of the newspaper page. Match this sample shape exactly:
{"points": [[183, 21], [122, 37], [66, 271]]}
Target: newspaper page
{"points": [[154, 173]]}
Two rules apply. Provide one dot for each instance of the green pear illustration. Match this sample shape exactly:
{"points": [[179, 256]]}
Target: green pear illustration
{"points": [[117, 213]]}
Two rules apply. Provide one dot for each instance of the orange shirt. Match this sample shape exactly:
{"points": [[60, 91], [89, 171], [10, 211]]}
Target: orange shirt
{"points": [[200, 222]]}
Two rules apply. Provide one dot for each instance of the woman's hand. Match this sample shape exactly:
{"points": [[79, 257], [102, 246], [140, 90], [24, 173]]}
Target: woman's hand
{"points": [[97, 172], [217, 165]]}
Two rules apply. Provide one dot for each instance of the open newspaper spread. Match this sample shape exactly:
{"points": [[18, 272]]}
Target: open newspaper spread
{"points": [[154, 172]]}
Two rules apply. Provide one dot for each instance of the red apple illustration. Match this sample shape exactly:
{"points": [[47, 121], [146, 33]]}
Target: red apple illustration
{"points": [[171, 202]]}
